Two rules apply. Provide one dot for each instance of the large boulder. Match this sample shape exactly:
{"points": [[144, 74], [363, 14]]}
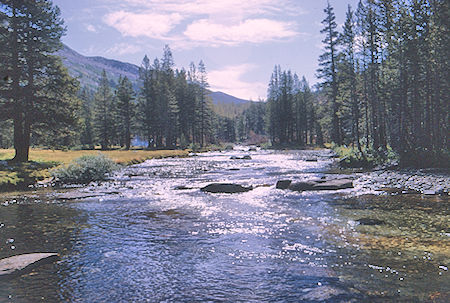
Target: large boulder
{"points": [[226, 188], [20, 264], [321, 185], [283, 184], [302, 186]]}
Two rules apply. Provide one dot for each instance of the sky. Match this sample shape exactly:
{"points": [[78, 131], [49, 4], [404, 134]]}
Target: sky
{"points": [[240, 41]]}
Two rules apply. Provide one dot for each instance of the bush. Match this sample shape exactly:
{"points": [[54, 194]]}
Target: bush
{"points": [[85, 169], [351, 157]]}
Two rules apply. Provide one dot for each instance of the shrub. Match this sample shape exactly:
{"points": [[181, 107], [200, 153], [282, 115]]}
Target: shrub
{"points": [[351, 157], [85, 169]]}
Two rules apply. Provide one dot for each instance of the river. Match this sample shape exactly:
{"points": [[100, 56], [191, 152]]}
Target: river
{"points": [[137, 238]]}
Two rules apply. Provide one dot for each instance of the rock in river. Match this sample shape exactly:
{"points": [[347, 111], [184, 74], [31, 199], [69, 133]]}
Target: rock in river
{"points": [[322, 185], [283, 184], [22, 263], [334, 184], [225, 188]]}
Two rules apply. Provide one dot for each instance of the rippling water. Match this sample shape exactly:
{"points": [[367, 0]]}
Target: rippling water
{"points": [[139, 239]]}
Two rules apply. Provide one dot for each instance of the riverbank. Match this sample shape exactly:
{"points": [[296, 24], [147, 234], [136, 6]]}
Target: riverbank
{"points": [[405, 181], [21, 176]]}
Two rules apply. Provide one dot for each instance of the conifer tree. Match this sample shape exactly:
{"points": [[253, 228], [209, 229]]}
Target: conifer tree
{"points": [[30, 33], [103, 113], [125, 108], [203, 107], [349, 79], [170, 105], [328, 70], [147, 107], [87, 132]]}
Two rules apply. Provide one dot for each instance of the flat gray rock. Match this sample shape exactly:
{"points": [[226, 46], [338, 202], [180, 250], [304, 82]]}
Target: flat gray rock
{"points": [[225, 188], [322, 185], [22, 263], [334, 184], [69, 196], [283, 184]]}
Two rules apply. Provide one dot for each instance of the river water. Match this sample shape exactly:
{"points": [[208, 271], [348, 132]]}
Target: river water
{"points": [[137, 238]]}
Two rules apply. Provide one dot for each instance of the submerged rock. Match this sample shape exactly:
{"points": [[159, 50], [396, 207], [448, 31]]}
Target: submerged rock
{"points": [[182, 187], [68, 196], [226, 188], [22, 263], [323, 293], [311, 160], [370, 221], [246, 157]]}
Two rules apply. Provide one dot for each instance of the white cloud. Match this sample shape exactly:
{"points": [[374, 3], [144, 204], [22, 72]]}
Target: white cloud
{"points": [[252, 30], [205, 22], [150, 25], [225, 7], [229, 80], [91, 28]]}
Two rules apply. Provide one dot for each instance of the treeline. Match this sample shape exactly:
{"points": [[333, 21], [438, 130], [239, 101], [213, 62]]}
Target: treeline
{"points": [[171, 109], [385, 76], [291, 115]]}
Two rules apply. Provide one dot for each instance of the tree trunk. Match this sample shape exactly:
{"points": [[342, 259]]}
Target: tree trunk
{"points": [[22, 134]]}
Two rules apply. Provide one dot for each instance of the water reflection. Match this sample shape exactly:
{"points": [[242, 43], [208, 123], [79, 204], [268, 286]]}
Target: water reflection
{"points": [[38, 227], [139, 238]]}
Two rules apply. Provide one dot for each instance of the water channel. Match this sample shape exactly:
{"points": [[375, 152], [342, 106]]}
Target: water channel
{"points": [[139, 238]]}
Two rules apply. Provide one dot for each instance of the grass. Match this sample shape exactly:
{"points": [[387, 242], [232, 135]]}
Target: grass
{"points": [[19, 176], [124, 157]]}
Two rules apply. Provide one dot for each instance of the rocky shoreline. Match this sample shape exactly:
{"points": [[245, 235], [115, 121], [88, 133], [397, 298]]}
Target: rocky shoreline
{"points": [[405, 181]]}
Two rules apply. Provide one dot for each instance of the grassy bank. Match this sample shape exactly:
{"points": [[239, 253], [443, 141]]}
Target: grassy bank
{"points": [[20, 176]]}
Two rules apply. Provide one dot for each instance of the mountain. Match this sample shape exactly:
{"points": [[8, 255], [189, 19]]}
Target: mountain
{"points": [[225, 98], [88, 71]]}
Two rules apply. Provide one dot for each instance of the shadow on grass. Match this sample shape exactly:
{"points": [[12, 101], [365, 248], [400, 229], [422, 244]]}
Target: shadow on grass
{"points": [[19, 176]]}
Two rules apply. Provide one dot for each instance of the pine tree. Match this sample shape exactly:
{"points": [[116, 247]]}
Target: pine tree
{"points": [[125, 108], [87, 132], [182, 98], [30, 33], [328, 70], [191, 103], [347, 40], [203, 106], [147, 115], [103, 113], [170, 105]]}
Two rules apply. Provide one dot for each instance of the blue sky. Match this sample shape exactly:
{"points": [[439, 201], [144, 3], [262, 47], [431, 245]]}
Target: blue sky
{"points": [[240, 41]]}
